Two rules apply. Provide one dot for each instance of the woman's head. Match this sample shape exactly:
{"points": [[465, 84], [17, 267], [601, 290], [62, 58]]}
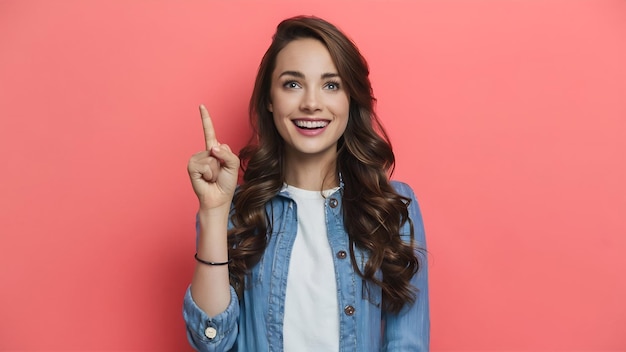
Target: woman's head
{"points": [[350, 65]]}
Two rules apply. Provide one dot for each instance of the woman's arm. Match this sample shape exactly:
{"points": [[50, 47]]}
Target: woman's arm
{"points": [[210, 333], [213, 174], [210, 286]]}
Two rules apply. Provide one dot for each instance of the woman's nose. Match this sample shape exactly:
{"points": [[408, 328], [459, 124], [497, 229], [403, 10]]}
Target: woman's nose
{"points": [[311, 101]]}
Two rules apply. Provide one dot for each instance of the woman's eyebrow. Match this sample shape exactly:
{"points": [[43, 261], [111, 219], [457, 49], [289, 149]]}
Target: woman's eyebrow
{"points": [[292, 73], [299, 74]]}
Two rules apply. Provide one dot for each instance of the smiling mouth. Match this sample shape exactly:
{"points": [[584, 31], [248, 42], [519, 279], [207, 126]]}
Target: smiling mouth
{"points": [[311, 125]]}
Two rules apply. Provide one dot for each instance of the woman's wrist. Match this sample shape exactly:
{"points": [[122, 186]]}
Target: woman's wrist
{"points": [[213, 212]]}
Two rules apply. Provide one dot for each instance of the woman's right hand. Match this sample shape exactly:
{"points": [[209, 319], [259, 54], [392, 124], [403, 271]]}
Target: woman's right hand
{"points": [[213, 172]]}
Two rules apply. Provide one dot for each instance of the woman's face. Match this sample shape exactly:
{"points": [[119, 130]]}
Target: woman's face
{"points": [[308, 101]]}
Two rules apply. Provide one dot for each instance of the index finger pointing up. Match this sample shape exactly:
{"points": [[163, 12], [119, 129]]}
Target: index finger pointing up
{"points": [[207, 125]]}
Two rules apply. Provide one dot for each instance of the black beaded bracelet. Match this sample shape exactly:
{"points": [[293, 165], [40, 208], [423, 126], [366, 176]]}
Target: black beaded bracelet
{"points": [[211, 263]]}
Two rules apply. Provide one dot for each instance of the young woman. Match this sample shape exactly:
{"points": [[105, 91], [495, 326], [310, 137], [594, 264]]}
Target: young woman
{"points": [[316, 250]]}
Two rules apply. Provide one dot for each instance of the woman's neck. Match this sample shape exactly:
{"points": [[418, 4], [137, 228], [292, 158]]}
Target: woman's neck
{"points": [[310, 173]]}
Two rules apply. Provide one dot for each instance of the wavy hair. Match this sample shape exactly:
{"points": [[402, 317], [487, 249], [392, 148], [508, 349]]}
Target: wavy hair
{"points": [[373, 211]]}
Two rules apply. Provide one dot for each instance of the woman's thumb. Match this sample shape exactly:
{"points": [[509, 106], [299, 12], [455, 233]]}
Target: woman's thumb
{"points": [[223, 152]]}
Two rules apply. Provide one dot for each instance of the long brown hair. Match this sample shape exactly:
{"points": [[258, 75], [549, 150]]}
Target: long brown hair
{"points": [[373, 212]]}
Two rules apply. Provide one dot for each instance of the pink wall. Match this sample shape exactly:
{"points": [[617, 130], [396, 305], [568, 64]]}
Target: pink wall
{"points": [[508, 117]]}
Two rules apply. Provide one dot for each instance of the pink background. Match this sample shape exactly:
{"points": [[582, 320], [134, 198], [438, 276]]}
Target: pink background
{"points": [[508, 118]]}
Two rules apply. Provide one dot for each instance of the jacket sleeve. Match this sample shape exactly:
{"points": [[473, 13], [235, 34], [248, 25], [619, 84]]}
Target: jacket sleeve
{"points": [[409, 330], [214, 334]]}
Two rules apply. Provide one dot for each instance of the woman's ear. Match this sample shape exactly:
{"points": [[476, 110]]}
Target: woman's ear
{"points": [[270, 108]]}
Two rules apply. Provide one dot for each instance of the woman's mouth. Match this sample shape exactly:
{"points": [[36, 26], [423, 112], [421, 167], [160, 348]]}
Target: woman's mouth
{"points": [[311, 124]]}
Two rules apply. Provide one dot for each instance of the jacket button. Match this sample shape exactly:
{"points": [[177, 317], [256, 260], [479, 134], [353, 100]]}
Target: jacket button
{"points": [[333, 203], [342, 255], [210, 332], [349, 310]]}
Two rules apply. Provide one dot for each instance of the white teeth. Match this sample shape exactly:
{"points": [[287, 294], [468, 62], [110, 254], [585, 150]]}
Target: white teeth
{"points": [[310, 124]]}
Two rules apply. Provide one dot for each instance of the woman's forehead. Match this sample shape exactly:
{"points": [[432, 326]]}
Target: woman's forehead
{"points": [[307, 57]]}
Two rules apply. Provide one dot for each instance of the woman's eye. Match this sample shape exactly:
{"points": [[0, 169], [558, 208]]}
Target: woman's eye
{"points": [[291, 85], [332, 85]]}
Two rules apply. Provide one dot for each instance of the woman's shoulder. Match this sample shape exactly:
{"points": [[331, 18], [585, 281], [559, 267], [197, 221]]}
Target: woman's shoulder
{"points": [[415, 213], [403, 189]]}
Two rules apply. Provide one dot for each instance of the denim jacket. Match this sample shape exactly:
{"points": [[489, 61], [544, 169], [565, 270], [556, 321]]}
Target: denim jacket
{"points": [[255, 322]]}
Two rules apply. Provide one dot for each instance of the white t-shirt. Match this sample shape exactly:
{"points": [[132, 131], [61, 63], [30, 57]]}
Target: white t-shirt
{"points": [[311, 309]]}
